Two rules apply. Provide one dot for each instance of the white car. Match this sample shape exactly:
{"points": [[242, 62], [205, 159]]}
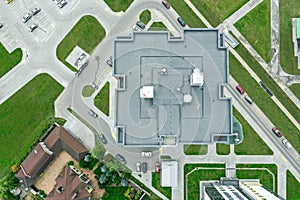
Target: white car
{"points": [[26, 17], [286, 143], [146, 154]]}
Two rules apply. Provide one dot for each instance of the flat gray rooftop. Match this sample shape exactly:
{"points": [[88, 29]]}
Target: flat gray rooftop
{"points": [[153, 59]]}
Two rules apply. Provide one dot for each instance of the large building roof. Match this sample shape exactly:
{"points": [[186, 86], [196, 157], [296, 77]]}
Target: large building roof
{"points": [[171, 90]]}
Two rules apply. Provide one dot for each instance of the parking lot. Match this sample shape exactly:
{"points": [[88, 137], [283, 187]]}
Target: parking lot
{"points": [[7, 36]]}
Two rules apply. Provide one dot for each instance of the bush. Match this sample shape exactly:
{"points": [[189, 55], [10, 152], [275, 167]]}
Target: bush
{"points": [[15, 168], [71, 162], [41, 192], [90, 165]]}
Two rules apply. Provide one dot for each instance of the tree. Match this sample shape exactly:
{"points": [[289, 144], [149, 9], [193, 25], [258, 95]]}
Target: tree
{"points": [[15, 168], [8, 183], [71, 162]]}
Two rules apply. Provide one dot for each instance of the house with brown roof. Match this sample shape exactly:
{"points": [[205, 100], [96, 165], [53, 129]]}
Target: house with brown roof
{"points": [[68, 186], [56, 140]]}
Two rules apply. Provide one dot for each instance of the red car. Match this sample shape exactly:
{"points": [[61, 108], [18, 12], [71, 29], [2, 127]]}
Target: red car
{"points": [[240, 89], [157, 167], [277, 132], [166, 4]]}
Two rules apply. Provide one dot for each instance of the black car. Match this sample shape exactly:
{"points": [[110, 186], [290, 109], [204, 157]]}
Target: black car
{"points": [[103, 139], [144, 167], [121, 158], [140, 24], [1, 25], [181, 22]]}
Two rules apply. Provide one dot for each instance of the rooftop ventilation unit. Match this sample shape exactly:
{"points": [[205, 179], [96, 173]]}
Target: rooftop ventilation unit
{"points": [[196, 78]]}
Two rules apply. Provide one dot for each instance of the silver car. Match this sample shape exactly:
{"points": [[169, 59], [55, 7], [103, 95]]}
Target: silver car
{"points": [[93, 114], [35, 10], [26, 17], [138, 167], [286, 143], [33, 27]]}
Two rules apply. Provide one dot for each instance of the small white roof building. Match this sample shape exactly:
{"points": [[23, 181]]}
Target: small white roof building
{"points": [[147, 92], [197, 78], [169, 174]]}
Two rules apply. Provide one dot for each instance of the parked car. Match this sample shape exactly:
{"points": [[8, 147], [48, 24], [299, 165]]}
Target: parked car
{"points": [[103, 139], [26, 17], [62, 4], [181, 22], [240, 89], [140, 24], [33, 27], [93, 114], [109, 62], [144, 167], [157, 167], [121, 158], [286, 143], [248, 99], [166, 4], [97, 177], [1, 25], [57, 1], [138, 167], [35, 10], [146, 154], [8, 1], [277, 132]]}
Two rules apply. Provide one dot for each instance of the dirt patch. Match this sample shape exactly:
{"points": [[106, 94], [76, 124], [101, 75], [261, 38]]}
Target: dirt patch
{"points": [[46, 181]]}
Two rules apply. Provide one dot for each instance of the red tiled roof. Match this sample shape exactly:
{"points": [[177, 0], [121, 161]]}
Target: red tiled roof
{"points": [[71, 183]]}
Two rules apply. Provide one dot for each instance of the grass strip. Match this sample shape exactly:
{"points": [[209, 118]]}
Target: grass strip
{"points": [[186, 13], [264, 177], [217, 11], [118, 5], [252, 143], [167, 191], [145, 16], [223, 149], [101, 100], [9, 61], [255, 27], [195, 149], [157, 26], [87, 34], [293, 187], [295, 88]]}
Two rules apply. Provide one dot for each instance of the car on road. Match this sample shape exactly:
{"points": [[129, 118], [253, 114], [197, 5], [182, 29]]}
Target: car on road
{"points": [[181, 22], [144, 167], [93, 114], [62, 4], [26, 17], [109, 62], [140, 24], [286, 143], [240, 89], [277, 132], [103, 139], [33, 27], [248, 99], [157, 167], [146, 154], [121, 158], [35, 10], [166, 4], [138, 167]]}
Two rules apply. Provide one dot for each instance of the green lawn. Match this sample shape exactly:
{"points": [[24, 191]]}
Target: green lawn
{"points": [[256, 28], [87, 91], [252, 143], [102, 99], [223, 149], [187, 14], [288, 9], [195, 149], [152, 196], [167, 191], [118, 5], [295, 88], [9, 61], [24, 117], [293, 187], [157, 26], [263, 175], [116, 193], [260, 97], [86, 34], [145, 16], [202, 174], [216, 12]]}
